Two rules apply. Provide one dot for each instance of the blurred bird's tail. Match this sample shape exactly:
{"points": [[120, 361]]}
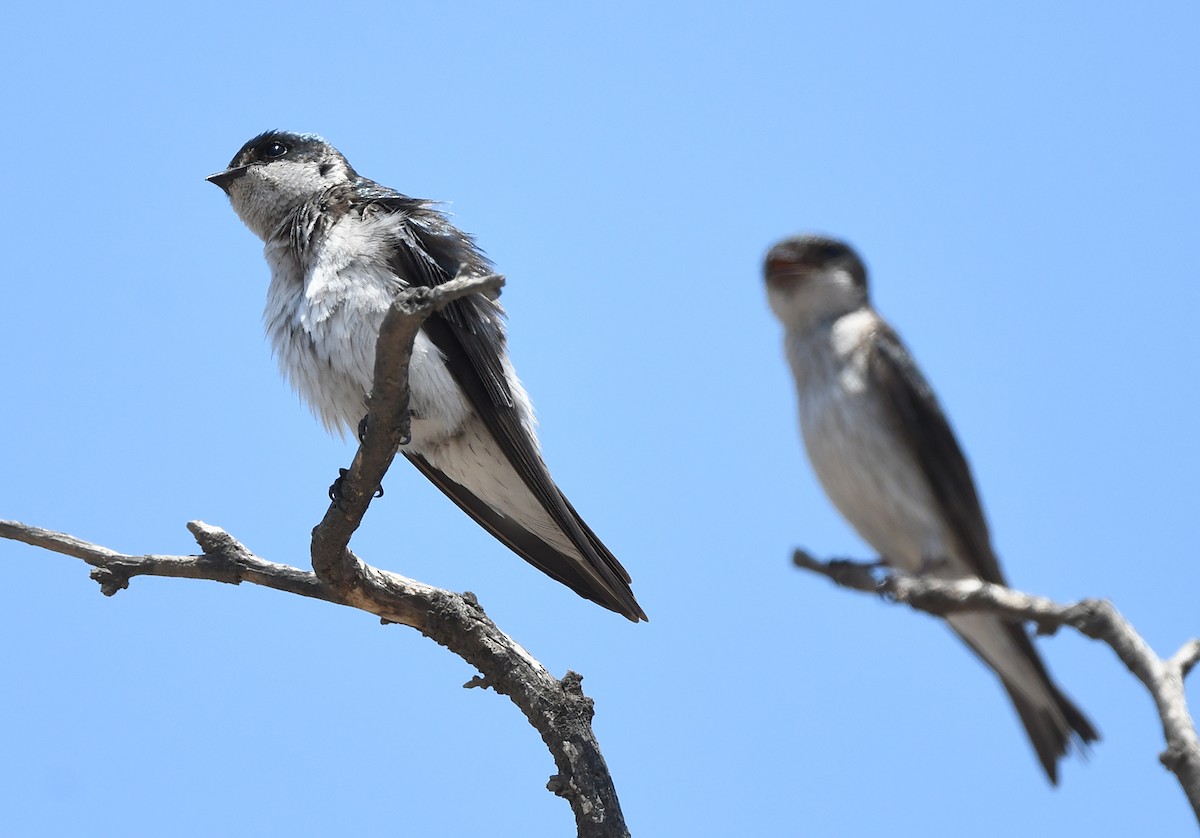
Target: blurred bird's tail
{"points": [[1044, 724], [1051, 720]]}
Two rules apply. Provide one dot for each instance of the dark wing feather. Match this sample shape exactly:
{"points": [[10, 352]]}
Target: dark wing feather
{"points": [[919, 421], [431, 251], [518, 539], [465, 354]]}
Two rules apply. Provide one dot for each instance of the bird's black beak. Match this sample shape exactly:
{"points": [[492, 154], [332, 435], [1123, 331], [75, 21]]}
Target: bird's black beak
{"points": [[226, 178]]}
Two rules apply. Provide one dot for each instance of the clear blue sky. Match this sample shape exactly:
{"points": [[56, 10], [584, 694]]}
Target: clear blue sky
{"points": [[1024, 183]]}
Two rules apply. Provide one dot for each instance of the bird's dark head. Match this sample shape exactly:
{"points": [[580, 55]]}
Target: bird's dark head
{"points": [[812, 278], [277, 170]]}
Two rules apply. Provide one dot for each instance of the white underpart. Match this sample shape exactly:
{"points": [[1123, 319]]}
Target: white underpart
{"points": [[323, 329], [871, 477]]}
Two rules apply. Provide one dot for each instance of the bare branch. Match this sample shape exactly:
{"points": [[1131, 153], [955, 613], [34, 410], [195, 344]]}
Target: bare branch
{"points": [[1095, 618], [224, 560], [1187, 657], [559, 710]]}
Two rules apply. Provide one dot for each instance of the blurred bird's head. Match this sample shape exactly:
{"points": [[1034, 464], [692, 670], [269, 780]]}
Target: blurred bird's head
{"points": [[811, 279]]}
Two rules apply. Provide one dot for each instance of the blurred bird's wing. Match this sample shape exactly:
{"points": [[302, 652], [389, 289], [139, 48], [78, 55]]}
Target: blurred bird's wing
{"points": [[920, 423]]}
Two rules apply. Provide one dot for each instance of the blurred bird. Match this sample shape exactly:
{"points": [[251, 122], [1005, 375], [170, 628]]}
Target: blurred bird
{"points": [[340, 247], [887, 458]]}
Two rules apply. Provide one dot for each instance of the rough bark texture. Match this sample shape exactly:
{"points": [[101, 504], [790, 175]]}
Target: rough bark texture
{"points": [[1095, 618], [557, 709]]}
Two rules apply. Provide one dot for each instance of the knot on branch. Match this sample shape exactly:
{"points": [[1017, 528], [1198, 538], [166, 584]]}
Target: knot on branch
{"points": [[572, 683], [1091, 617], [110, 580], [582, 706], [214, 541], [479, 681], [456, 620], [1177, 757], [559, 786]]}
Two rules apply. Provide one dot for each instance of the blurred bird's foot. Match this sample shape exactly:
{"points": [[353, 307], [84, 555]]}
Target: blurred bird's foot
{"points": [[847, 564], [933, 566], [848, 569]]}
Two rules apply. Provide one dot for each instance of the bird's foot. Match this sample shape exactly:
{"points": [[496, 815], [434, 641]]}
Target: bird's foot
{"points": [[405, 437], [335, 489]]}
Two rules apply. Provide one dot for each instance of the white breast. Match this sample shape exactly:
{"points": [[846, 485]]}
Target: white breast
{"points": [[323, 321], [868, 475]]}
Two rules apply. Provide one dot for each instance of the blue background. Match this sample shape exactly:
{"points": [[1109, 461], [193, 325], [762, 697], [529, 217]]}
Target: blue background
{"points": [[1023, 181]]}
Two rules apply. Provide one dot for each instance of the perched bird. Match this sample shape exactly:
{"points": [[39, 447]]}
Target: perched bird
{"points": [[340, 247], [887, 458]]}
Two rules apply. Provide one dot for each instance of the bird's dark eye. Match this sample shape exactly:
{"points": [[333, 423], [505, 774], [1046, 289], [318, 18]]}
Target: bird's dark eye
{"points": [[274, 149]]}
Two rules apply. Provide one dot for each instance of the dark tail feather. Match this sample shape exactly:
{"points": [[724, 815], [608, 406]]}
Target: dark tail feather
{"points": [[1050, 740]]}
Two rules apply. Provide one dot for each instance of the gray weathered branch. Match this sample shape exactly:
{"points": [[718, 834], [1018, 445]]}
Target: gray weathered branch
{"points": [[557, 709], [1095, 618]]}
